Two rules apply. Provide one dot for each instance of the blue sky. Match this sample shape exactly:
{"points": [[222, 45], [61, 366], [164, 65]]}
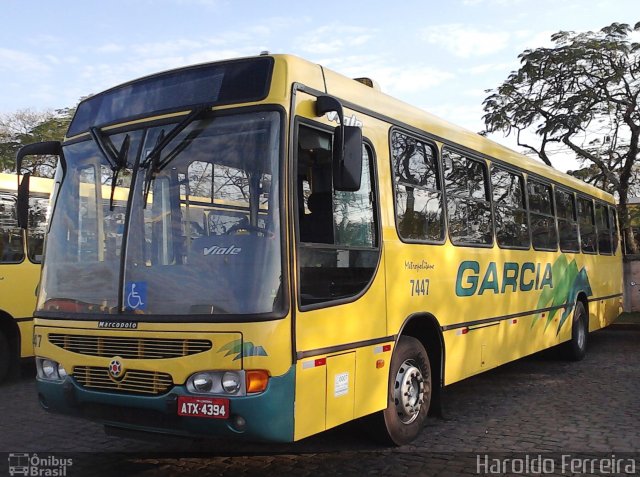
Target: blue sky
{"points": [[440, 56]]}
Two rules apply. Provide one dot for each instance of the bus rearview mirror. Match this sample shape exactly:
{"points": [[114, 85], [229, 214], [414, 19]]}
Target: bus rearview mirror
{"points": [[46, 148], [347, 147], [347, 162], [23, 201]]}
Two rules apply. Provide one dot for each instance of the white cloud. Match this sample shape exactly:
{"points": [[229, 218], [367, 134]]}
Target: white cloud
{"points": [[399, 81], [484, 68], [110, 48], [165, 48], [14, 60], [466, 116], [394, 79], [331, 39], [531, 40], [466, 42], [44, 40]]}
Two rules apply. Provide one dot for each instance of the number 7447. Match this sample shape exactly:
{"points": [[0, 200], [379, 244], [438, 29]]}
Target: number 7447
{"points": [[419, 287]]}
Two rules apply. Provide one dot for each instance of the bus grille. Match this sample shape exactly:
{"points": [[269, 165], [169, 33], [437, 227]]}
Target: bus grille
{"points": [[133, 381], [126, 347]]}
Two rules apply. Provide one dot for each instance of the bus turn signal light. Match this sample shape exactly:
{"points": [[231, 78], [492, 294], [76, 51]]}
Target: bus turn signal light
{"points": [[257, 381]]}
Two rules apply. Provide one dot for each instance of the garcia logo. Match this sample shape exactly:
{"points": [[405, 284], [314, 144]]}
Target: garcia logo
{"points": [[514, 276], [215, 250]]}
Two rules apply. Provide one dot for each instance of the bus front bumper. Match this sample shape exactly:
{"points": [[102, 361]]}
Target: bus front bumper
{"points": [[267, 416]]}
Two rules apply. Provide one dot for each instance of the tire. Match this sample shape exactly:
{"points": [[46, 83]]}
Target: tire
{"points": [[576, 348], [5, 357], [409, 394]]}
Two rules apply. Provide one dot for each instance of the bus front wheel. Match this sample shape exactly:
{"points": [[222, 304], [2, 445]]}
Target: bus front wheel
{"points": [[409, 393]]}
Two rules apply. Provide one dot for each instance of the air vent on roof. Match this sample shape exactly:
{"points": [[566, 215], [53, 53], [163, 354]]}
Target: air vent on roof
{"points": [[368, 82]]}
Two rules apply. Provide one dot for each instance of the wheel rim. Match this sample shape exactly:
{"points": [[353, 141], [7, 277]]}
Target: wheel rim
{"points": [[581, 335], [408, 391]]}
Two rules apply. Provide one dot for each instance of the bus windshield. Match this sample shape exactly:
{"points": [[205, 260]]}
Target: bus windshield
{"points": [[195, 231]]}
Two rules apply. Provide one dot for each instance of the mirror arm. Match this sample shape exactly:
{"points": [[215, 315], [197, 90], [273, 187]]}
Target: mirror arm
{"points": [[326, 104], [47, 148]]}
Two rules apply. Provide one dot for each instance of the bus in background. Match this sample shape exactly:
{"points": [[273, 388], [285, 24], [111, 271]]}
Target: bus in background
{"points": [[294, 250], [19, 268]]}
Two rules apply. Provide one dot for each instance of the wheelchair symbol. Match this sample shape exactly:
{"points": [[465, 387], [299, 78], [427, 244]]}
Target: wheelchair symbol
{"points": [[136, 295]]}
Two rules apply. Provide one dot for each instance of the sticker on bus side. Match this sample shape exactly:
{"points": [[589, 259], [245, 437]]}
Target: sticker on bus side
{"points": [[341, 384]]}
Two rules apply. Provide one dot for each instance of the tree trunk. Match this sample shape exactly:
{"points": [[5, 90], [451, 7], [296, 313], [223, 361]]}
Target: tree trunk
{"points": [[625, 220]]}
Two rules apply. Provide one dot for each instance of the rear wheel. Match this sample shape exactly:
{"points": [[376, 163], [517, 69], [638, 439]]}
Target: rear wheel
{"points": [[576, 348], [5, 356], [409, 393]]}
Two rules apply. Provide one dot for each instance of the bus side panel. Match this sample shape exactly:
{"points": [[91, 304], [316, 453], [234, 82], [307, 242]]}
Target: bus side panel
{"points": [[26, 338], [605, 275], [494, 305], [333, 389], [341, 379], [372, 373], [17, 289], [310, 404]]}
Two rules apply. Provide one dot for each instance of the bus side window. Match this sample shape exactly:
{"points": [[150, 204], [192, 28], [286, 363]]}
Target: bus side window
{"points": [[468, 204], [11, 247], [567, 221], [337, 230], [512, 226], [588, 237], [543, 223], [418, 191], [604, 229]]}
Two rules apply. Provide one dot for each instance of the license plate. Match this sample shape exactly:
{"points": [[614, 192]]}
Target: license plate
{"points": [[213, 408]]}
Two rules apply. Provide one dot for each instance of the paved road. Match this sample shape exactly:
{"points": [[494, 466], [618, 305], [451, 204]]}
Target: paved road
{"points": [[535, 405]]}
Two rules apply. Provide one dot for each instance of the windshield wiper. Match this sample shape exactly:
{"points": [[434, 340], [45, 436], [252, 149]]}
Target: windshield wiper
{"points": [[117, 160], [152, 160], [148, 176]]}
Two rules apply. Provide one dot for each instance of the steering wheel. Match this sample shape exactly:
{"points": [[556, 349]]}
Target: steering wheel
{"points": [[253, 229]]}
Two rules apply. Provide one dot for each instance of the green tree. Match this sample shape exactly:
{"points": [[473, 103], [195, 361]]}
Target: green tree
{"points": [[26, 127], [580, 96]]}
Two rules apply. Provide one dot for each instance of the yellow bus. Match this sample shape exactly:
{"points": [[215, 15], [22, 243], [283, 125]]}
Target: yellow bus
{"points": [[298, 250], [19, 269]]}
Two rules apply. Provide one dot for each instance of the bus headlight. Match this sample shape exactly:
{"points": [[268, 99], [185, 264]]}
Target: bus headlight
{"points": [[50, 370], [62, 372], [202, 382], [220, 383], [231, 382]]}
